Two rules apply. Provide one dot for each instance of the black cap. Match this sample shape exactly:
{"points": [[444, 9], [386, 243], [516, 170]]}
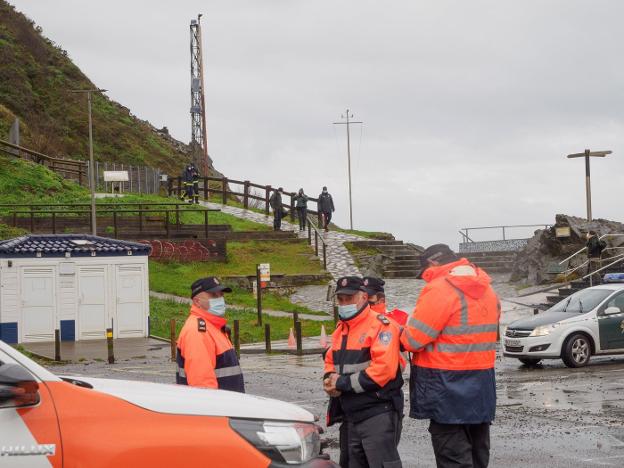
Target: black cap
{"points": [[373, 285], [438, 252], [350, 285], [209, 284]]}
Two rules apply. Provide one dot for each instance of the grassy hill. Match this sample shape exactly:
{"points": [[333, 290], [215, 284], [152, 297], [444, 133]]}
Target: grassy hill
{"points": [[35, 78]]}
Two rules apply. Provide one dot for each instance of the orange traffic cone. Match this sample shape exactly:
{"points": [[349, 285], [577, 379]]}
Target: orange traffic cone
{"points": [[323, 337], [291, 339]]}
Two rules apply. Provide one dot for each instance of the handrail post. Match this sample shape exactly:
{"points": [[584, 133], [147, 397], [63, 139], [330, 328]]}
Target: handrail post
{"points": [[32, 220], [53, 222], [292, 208], [246, 194], [179, 186], [167, 224], [316, 243], [503, 232], [115, 223], [206, 188], [224, 184], [267, 194], [309, 233], [177, 208], [169, 187], [140, 217]]}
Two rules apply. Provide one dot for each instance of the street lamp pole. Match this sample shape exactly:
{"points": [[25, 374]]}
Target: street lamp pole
{"points": [[91, 159], [588, 154], [347, 123]]}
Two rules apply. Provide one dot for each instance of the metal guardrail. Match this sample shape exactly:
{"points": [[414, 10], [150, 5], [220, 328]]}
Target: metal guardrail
{"points": [[317, 235], [466, 237], [578, 252]]}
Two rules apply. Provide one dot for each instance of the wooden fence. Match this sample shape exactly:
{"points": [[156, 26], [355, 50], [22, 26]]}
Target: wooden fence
{"points": [[242, 190]]}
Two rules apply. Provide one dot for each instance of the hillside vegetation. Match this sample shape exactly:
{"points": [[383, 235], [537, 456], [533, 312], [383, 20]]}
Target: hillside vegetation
{"points": [[36, 76]]}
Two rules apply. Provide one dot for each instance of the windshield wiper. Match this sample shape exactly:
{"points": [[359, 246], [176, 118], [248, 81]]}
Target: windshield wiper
{"points": [[580, 306], [565, 307]]}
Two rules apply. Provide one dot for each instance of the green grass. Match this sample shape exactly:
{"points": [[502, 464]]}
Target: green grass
{"points": [[162, 311], [9, 232], [367, 234], [288, 258]]}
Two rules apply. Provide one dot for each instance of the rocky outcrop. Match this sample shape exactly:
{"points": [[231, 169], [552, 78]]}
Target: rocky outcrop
{"points": [[545, 248]]}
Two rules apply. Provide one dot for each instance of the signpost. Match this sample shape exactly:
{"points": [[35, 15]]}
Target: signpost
{"points": [[263, 276], [588, 154]]}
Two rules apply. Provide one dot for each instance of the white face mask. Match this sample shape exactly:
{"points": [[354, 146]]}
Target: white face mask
{"points": [[347, 311], [216, 306]]}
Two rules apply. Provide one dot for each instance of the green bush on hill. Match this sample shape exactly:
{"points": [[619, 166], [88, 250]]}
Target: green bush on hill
{"points": [[36, 77]]}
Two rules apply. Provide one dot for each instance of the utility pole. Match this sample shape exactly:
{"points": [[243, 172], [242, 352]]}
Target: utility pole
{"points": [[199, 138], [91, 160], [588, 154], [348, 116]]}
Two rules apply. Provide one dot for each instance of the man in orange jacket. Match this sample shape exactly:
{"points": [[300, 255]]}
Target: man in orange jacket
{"points": [[452, 335], [363, 378], [377, 300], [205, 355]]}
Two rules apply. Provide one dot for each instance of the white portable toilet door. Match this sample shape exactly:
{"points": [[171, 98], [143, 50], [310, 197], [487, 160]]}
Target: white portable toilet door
{"points": [[130, 318], [38, 303], [92, 302]]}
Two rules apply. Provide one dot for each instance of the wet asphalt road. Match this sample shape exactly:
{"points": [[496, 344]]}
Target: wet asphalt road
{"points": [[549, 416]]}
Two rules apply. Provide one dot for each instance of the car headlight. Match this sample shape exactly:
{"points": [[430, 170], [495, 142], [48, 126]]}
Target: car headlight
{"points": [[543, 330], [286, 442]]}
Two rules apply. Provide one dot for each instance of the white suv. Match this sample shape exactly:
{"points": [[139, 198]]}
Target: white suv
{"points": [[590, 321]]}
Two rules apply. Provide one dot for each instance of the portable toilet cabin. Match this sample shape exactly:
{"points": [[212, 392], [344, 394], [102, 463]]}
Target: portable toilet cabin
{"points": [[79, 284]]}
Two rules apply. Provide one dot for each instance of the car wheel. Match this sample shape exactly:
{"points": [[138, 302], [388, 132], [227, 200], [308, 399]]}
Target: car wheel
{"points": [[529, 362], [576, 351]]}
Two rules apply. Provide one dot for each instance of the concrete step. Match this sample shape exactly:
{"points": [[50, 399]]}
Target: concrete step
{"points": [[379, 243], [401, 273], [400, 265], [488, 254]]}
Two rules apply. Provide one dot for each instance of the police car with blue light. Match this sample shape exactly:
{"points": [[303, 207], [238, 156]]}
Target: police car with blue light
{"points": [[588, 322]]}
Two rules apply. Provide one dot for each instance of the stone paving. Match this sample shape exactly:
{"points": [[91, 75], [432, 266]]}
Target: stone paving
{"points": [[339, 260]]}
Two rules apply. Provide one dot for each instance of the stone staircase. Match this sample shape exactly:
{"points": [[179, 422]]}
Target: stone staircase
{"points": [[492, 262], [400, 260]]}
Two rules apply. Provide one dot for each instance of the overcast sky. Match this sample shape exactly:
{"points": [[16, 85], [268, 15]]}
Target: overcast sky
{"points": [[469, 108]]}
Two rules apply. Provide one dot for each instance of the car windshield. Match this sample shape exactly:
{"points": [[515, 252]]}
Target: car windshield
{"points": [[582, 301]]}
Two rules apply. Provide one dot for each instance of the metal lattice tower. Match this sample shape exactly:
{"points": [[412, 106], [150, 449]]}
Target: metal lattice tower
{"points": [[199, 141]]}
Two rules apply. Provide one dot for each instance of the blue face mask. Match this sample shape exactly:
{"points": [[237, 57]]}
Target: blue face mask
{"points": [[347, 311], [217, 306]]}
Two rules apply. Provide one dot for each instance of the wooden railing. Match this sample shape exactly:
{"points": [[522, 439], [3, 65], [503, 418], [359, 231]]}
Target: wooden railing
{"points": [[317, 235], [223, 188], [68, 168], [55, 211]]}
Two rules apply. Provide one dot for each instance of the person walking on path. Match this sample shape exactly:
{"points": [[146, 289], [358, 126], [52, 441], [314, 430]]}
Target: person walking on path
{"points": [[595, 246], [189, 176], [205, 356], [363, 379], [452, 334], [325, 207], [301, 203], [275, 201]]}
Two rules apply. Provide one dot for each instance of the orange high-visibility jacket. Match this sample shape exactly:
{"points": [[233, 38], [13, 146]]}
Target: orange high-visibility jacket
{"points": [[205, 355], [452, 333], [365, 352]]}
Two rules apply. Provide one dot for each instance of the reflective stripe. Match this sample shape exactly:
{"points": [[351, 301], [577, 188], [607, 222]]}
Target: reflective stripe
{"points": [[352, 368], [355, 383], [465, 348], [181, 372], [415, 344], [470, 329], [429, 347], [423, 327], [228, 371]]}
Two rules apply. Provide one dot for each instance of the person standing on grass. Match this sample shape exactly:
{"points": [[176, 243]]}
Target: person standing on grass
{"points": [[205, 356], [275, 201], [325, 207], [301, 201]]}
